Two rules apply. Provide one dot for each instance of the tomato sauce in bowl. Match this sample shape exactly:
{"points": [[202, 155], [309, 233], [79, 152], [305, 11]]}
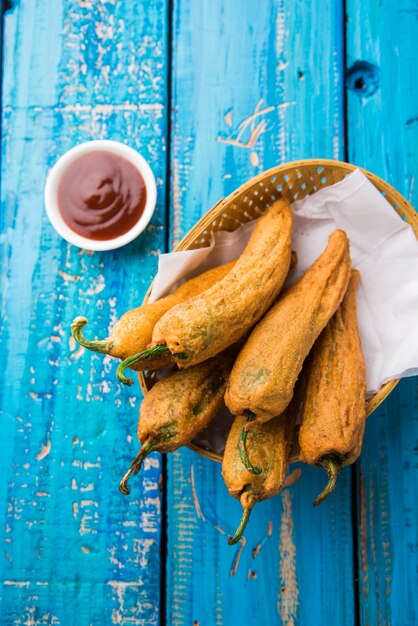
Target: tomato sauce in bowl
{"points": [[101, 196]]}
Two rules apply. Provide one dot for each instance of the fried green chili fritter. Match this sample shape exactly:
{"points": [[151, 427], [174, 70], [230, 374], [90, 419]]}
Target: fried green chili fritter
{"points": [[334, 412]]}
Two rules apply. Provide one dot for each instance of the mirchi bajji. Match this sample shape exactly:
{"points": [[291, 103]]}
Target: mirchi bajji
{"points": [[266, 369], [270, 446], [206, 324], [133, 331], [334, 411], [179, 406]]}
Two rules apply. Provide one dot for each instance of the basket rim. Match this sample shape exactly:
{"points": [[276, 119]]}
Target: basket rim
{"points": [[205, 221]]}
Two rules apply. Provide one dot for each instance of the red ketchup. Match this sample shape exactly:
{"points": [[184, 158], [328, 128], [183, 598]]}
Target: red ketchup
{"points": [[101, 196]]}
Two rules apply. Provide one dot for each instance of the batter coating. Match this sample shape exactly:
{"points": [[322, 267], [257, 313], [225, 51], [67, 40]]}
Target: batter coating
{"points": [[205, 325], [266, 369], [334, 412], [270, 445], [133, 331], [179, 406]]}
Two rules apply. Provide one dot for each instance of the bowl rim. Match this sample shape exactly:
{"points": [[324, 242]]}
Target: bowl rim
{"points": [[205, 223], [58, 170]]}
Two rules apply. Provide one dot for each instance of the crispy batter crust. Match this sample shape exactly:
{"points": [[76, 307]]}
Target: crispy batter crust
{"points": [[183, 403], [133, 332], [269, 446], [208, 323], [266, 370], [334, 413]]}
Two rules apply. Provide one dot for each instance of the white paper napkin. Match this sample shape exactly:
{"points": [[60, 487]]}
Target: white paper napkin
{"points": [[383, 248]]}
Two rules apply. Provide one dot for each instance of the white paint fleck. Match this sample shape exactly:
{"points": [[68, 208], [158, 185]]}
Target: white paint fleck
{"points": [[228, 118], [44, 451], [69, 277], [88, 465], [113, 559], [120, 588], [97, 286], [17, 583], [194, 495], [104, 387], [77, 353], [89, 487], [151, 462], [142, 548], [254, 158], [288, 601], [85, 503]]}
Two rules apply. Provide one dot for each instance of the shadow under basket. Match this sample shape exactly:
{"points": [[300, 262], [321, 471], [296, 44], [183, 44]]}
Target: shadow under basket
{"points": [[294, 181]]}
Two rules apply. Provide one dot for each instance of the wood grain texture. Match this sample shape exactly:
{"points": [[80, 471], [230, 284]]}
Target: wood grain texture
{"points": [[248, 98], [252, 88], [74, 550], [254, 84], [383, 136]]}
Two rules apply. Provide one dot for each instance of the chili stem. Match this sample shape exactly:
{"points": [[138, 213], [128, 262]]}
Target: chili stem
{"points": [[332, 468], [104, 345], [242, 444], [136, 465], [145, 355], [241, 527]]}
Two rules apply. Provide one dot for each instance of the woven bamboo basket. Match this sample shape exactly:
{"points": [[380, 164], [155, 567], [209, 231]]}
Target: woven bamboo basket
{"points": [[293, 180]]}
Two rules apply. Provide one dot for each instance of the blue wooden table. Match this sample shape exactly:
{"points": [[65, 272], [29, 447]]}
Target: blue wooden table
{"points": [[211, 93]]}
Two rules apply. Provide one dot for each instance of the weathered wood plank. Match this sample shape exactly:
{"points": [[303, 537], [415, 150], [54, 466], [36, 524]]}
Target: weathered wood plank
{"points": [[383, 136], [252, 87], [75, 551]]}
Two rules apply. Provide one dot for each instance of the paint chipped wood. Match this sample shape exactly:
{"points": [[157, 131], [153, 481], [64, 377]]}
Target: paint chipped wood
{"points": [[77, 551], [243, 99], [240, 109], [382, 98]]}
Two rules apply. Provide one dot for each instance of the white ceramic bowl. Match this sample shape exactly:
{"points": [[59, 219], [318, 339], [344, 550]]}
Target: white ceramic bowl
{"points": [[61, 166]]}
